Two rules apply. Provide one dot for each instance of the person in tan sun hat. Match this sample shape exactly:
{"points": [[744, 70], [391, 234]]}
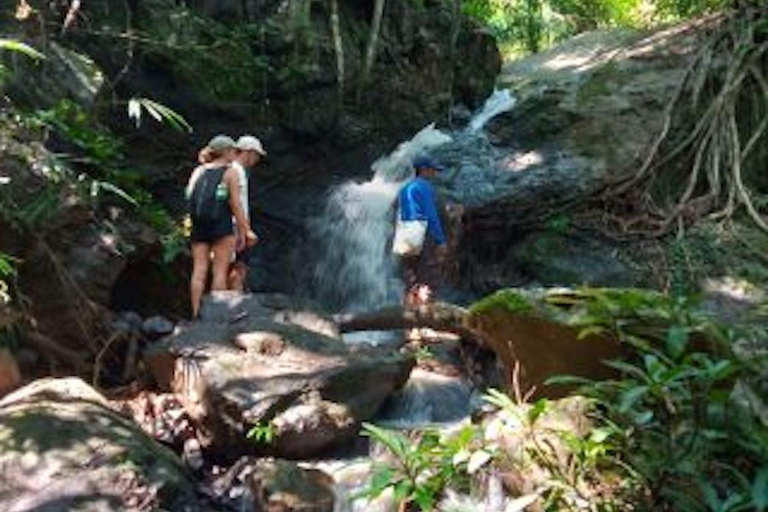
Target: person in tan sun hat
{"points": [[249, 151]]}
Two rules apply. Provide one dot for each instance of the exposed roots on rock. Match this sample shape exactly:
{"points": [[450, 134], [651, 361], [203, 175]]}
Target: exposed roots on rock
{"points": [[712, 148]]}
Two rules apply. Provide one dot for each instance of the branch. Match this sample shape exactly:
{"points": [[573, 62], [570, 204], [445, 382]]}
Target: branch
{"points": [[439, 316]]}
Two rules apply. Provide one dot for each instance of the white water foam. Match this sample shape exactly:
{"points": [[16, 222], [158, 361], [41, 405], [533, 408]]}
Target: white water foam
{"points": [[499, 102], [355, 270]]}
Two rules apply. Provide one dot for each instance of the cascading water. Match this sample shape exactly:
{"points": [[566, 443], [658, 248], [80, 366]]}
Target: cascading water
{"points": [[354, 271], [497, 103]]}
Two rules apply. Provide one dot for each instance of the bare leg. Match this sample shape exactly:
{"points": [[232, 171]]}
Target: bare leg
{"points": [[223, 250], [201, 254], [236, 280]]}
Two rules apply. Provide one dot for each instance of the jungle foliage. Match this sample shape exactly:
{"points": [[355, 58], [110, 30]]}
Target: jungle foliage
{"points": [[524, 26]]}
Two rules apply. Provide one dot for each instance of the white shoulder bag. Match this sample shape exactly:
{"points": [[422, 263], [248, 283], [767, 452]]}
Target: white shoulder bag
{"points": [[409, 237]]}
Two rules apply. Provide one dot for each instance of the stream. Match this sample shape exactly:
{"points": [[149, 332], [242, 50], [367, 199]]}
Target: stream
{"points": [[355, 271]]}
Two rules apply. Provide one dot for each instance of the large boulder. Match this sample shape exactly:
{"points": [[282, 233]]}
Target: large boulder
{"points": [[62, 448], [252, 362], [588, 111], [539, 334]]}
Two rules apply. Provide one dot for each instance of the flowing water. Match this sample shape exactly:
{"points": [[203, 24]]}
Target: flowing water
{"points": [[355, 271]]}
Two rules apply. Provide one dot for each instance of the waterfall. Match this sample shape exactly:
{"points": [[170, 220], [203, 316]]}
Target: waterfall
{"points": [[354, 269], [498, 102]]}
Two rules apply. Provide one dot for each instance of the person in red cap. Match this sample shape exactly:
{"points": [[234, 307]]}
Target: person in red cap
{"points": [[418, 230]]}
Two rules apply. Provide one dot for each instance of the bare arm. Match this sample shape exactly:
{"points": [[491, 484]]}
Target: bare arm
{"points": [[233, 184]]}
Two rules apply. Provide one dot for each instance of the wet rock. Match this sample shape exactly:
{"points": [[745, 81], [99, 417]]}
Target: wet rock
{"points": [[246, 364], [255, 485], [156, 327], [588, 111], [562, 259], [285, 487], [62, 448], [127, 322], [534, 341]]}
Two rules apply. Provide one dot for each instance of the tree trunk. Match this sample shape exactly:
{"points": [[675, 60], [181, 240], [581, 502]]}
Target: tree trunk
{"points": [[373, 40], [455, 29], [339, 47], [439, 316]]}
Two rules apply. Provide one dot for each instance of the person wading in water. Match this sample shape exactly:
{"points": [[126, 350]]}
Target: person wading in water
{"points": [[419, 235], [213, 193]]}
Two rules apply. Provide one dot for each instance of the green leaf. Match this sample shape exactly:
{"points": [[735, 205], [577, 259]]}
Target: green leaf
{"points": [[159, 112], [677, 340], [568, 380], [599, 435], [424, 498], [539, 408], [392, 440], [402, 491], [760, 490], [629, 369], [18, 46], [97, 186], [629, 398], [381, 479], [593, 330]]}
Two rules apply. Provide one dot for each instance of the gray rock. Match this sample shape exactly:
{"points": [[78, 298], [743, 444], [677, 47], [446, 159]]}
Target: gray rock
{"points": [[249, 362], [253, 485], [127, 321], [560, 259], [63, 448], [156, 327]]}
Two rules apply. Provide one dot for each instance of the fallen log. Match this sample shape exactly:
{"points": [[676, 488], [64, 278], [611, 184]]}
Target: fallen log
{"points": [[440, 316]]}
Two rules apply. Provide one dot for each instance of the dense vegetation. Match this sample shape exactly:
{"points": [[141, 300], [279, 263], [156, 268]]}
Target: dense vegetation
{"points": [[532, 25], [671, 431]]}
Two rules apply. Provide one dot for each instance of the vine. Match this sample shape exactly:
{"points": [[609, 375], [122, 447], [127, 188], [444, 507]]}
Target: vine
{"points": [[719, 113]]}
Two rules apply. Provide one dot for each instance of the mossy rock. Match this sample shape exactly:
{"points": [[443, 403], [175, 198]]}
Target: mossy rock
{"points": [[62, 448], [543, 333]]}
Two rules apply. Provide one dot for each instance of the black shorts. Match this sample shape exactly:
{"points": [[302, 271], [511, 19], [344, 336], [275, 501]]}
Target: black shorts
{"points": [[243, 257], [208, 233]]}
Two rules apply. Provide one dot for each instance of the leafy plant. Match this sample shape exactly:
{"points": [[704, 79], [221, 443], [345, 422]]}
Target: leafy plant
{"points": [[7, 270], [420, 471], [19, 47], [682, 442], [573, 460], [262, 433], [158, 112]]}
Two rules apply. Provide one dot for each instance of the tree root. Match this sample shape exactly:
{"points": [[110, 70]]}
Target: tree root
{"points": [[724, 79]]}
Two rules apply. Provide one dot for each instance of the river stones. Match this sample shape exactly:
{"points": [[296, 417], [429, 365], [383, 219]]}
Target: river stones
{"points": [[247, 367]]}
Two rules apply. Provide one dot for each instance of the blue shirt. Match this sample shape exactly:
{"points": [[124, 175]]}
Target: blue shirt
{"points": [[417, 202]]}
